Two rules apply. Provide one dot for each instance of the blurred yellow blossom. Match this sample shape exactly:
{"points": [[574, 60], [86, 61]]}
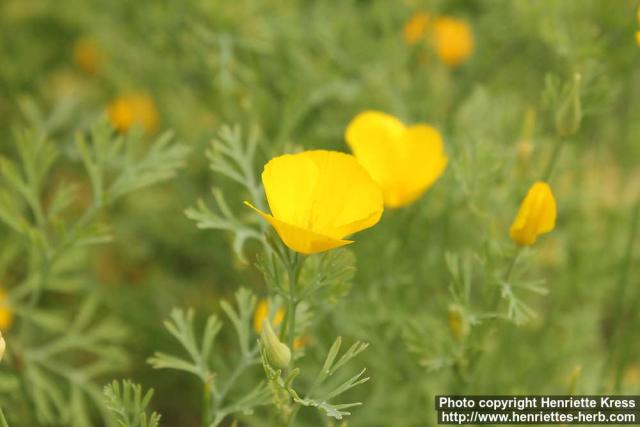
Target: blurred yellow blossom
{"points": [[133, 108], [415, 27], [537, 215], [6, 315], [262, 313], [453, 40], [3, 346], [87, 55], [319, 197], [404, 160]]}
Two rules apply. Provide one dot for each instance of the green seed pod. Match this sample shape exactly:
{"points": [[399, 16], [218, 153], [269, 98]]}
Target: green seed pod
{"points": [[569, 113], [278, 353]]}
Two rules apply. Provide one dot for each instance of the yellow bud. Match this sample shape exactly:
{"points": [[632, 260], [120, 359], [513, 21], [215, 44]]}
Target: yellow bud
{"points": [[569, 114], [453, 40], [458, 323], [278, 353], [3, 345], [131, 109], [537, 215], [415, 28]]}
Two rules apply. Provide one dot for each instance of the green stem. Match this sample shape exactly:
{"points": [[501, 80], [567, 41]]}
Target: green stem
{"points": [[621, 290], [3, 420], [294, 271], [555, 155], [206, 402]]}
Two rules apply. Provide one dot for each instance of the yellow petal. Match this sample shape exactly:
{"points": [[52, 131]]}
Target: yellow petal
{"points": [[371, 136], [325, 192], [404, 161], [536, 216], [300, 240]]}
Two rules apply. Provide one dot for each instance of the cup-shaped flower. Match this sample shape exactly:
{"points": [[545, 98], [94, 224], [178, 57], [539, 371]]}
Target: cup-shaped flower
{"points": [[88, 56], [537, 215], [317, 198], [133, 108], [415, 27], [6, 315], [3, 345], [404, 160], [453, 40]]}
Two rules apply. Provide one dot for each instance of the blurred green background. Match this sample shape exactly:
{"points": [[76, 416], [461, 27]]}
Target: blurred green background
{"points": [[296, 72]]}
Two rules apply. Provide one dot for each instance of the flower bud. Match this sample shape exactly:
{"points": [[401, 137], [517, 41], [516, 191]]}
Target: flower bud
{"points": [[569, 113], [458, 323], [2, 347], [278, 353], [536, 216]]}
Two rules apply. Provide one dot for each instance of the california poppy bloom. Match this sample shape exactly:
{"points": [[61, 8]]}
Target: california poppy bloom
{"points": [[317, 198], [262, 313], [6, 315], [415, 27], [537, 215], [453, 40], [133, 108], [404, 160], [87, 55]]}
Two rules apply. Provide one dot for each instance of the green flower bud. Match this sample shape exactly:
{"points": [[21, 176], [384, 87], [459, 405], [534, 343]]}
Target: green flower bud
{"points": [[569, 113], [278, 353]]}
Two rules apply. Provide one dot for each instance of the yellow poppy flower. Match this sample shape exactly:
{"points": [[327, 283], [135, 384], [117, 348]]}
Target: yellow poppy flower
{"points": [[404, 160], [262, 312], [6, 315], [133, 108], [87, 55], [415, 27], [537, 215], [319, 197], [453, 40]]}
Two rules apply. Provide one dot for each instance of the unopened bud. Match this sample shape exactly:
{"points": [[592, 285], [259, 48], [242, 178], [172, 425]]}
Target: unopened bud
{"points": [[278, 353], [3, 345], [569, 113], [458, 322]]}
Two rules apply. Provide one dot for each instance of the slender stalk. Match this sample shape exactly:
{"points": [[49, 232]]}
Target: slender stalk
{"points": [[206, 402], [555, 155], [3, 420], [619, 311]]}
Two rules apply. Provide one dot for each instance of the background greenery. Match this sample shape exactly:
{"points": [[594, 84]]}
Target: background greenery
{"points": [[294, 73]]}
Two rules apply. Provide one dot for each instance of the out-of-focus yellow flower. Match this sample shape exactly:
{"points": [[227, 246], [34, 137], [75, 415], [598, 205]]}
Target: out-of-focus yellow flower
{"points": [[638, 38], [6, 315], [262, 313], [537, 215], [133, 108], [404, 160], [416, 26], [453, 40], [87, 55], [3, 346], [319, 197]]}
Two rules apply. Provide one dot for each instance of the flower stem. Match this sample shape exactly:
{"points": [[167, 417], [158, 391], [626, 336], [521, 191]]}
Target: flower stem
{"points": [[619, 312], [3, 420], [555, 155]]}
